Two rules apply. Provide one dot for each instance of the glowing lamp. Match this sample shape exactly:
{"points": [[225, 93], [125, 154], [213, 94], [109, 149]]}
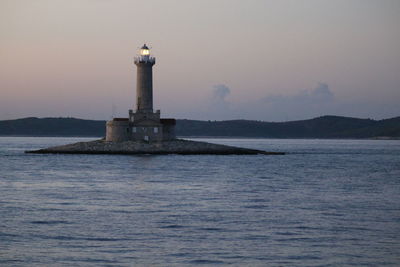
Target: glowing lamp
{"points": [[144, 51]]}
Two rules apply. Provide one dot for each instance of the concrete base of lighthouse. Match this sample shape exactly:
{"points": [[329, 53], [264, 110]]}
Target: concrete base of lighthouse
{"points": [[140, 126], [117, 130]]}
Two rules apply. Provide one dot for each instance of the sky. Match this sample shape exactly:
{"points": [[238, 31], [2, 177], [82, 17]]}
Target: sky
{"points": [[269, 60]]}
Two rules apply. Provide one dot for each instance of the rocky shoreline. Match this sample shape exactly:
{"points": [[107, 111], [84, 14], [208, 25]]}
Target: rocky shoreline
{"points": [[178, 146]]}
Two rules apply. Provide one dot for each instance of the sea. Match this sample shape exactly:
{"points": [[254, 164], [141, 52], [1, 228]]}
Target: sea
{"points": [[324, 203]]}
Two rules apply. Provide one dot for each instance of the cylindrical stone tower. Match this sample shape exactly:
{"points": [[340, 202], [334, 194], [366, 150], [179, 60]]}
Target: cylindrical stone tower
{"points": [[144, 80]]}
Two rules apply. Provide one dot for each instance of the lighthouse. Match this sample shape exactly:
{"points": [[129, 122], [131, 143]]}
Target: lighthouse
{"points": [[144, 80], [143, 124]]}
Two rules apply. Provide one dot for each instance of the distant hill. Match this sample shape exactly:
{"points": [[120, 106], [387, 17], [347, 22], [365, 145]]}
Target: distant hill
{"points": [[321, 127], [52, 127]]}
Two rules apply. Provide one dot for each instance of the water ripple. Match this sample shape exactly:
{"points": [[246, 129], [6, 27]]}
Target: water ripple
{"points": [[325, 203]]}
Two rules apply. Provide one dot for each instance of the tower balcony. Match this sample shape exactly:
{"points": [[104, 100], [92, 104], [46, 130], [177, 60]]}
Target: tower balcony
{"points": [[144, 59]]}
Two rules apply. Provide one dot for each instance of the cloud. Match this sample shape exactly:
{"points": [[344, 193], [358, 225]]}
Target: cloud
{"points": [[220, 92], [318, 95], [216, 106], [322, 93], [306, 103]]}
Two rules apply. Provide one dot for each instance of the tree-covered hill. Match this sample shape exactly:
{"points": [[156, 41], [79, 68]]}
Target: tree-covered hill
{"points": [[321, 127], [52, 127]]}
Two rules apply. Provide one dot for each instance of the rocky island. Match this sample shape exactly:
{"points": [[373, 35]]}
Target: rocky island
{"points": [[177, 146]]}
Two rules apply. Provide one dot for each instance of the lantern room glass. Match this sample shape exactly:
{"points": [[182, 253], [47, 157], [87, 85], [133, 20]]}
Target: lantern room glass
{"points": [[144, 52]]}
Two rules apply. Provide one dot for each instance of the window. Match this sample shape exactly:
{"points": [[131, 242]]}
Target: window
{"points": [[155, 130], [146, 138], [134, 129]]}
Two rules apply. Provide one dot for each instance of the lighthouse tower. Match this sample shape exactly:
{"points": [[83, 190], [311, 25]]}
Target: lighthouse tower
{"points": [[144, 80], [144, 124]]}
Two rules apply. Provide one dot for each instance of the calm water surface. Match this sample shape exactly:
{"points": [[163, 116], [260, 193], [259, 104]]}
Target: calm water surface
{"points": [[325, 203]]}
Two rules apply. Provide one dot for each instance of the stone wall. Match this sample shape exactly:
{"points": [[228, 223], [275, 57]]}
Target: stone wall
{"points": [[168, 129], [149, 133], [117, 130], [145, 129]]}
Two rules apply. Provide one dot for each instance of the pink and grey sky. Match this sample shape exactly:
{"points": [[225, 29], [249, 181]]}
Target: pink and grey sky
{"points": [[271, 60]]}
